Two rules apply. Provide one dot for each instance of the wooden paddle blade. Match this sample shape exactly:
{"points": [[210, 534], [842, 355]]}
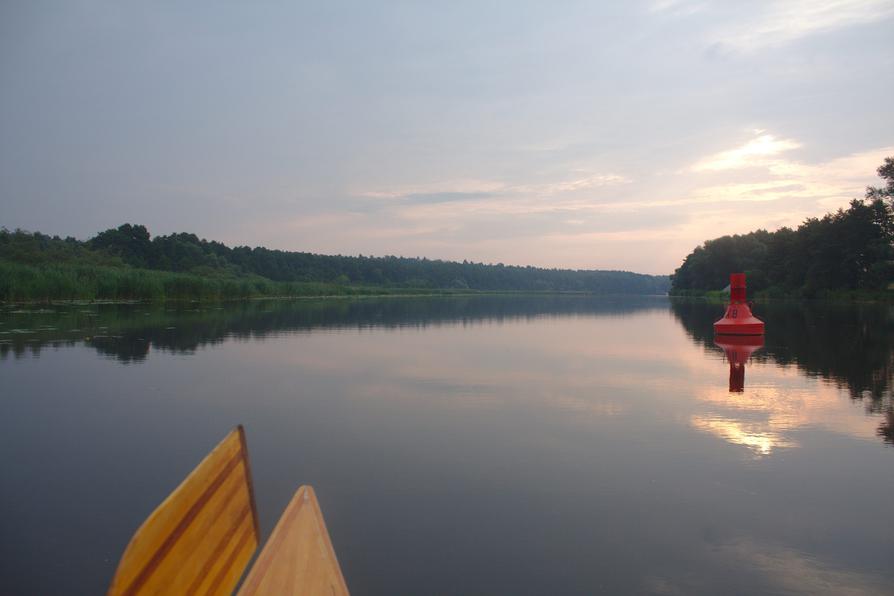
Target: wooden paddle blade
{"points": [[298, 559], [199, 540]]}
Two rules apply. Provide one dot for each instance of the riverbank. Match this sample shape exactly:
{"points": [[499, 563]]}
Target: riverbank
{"points": [[72, 282], [37, 284]]}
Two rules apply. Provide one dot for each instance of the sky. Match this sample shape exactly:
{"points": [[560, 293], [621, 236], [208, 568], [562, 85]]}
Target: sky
{"points": [[593, 135]]}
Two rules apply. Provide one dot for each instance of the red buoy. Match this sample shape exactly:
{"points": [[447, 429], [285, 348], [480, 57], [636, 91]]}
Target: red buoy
{"points": [[738, 319]]}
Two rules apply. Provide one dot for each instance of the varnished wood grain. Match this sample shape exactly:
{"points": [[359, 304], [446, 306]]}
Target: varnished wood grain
{"points": [[298, 559], [199, 540]]}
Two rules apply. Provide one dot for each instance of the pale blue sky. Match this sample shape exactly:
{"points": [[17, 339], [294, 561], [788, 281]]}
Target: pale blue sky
{"points": [[568, 134]]}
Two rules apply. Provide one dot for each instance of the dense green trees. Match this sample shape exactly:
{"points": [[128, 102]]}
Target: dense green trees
{"points": [[849, 250], [126, 262]]}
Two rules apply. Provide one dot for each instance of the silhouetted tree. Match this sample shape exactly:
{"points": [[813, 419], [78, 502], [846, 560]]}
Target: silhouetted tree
{"points": [[127, 241]]}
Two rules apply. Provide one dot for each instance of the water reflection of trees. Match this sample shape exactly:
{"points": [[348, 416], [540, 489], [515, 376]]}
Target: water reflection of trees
{"points": [[851, 345], [128, 332], [886, 429]]}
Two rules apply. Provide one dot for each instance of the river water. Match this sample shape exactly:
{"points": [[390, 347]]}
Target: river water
{"points": [[483, 445]]}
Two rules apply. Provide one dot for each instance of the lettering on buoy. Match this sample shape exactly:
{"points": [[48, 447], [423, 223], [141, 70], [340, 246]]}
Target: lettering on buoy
{"points": [[738, 319]]}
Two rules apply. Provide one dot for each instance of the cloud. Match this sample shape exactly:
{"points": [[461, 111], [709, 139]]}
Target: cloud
{"points": [[827, 185], [481, 198], [566, 186], [678, 7], [757, 25], [444, 197], [780, 22], [755, 152], [466, 190]]}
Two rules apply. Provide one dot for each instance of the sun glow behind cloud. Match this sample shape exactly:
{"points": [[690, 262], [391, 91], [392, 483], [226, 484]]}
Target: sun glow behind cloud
{"points": [[756, 152], [584, 213]]}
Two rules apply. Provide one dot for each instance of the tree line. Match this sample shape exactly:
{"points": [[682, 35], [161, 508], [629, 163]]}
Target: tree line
{"points": [[851, 250], [35, 259]]}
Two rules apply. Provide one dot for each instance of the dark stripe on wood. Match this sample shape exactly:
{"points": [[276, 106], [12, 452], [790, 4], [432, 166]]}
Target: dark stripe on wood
{"points": [[181, 527], [228, 564], [222, 545], [248, 480]]}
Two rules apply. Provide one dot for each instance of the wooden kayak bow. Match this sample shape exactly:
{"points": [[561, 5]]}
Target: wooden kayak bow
{"points": [[200, 539]]}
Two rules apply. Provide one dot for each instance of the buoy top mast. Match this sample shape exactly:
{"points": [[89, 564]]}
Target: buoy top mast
{"points": [[737, 288]]}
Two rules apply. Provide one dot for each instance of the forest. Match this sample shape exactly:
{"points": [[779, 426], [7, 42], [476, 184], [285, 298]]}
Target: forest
{"points": [[127, 263], [849, 252]]}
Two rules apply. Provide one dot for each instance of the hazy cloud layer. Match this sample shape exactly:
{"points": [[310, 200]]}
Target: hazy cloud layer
{"points": [[585, 134]]}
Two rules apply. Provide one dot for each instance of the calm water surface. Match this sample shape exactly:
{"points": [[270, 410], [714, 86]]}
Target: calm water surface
{"points": [[488, 445]]}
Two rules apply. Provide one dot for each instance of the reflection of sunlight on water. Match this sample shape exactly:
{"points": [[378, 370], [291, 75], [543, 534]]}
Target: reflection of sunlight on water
{"points": [[780, 403], [752, 435], [786, 571], [794, 572]]}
